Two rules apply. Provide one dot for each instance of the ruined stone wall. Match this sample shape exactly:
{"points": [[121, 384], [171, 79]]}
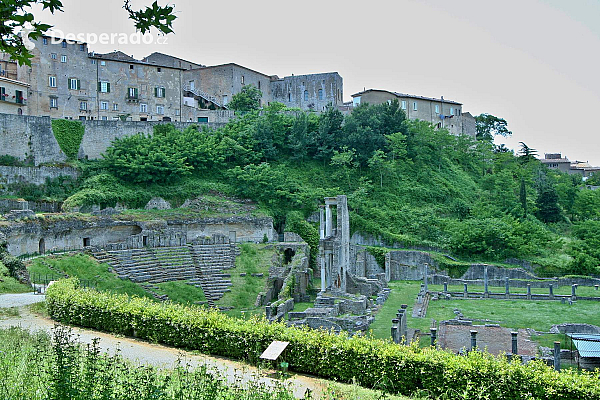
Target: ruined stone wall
{"points": [[363, 263], [62, 232], [408, 265], [99, 134], [320, 89], [29, 137], [32, 137], [25, 237], [34, 175], [246, 229]]}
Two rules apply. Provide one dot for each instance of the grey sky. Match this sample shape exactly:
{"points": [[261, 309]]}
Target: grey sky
{"points": [[534, 63]]}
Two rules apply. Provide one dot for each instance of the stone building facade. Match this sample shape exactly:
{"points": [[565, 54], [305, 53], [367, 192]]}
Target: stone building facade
{"points": [[441, 112], [13, 96], [62, 80], [67, 81], [309, 92], [563, 164], [136, 90], [219, 83]]}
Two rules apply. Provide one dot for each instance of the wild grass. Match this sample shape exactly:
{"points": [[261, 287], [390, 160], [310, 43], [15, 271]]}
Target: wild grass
{"points": [[35, 366], [254, 258], [86, 269], [585, 291], [539, 315], [403, 292], [9, 312], [8, 284], [182, 293]]}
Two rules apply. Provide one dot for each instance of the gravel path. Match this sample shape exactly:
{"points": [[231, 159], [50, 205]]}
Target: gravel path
{"points": [[19, 299], [152, 354]]}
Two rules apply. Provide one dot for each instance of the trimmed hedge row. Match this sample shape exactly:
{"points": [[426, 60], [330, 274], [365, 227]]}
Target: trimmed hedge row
{"points": [[373, 363]]}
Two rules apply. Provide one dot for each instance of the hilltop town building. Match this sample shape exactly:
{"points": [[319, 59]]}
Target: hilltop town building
{"points": [[13, 96], [563, 164], [441, 112], [127, 87], [67, 81], [309, 92]]}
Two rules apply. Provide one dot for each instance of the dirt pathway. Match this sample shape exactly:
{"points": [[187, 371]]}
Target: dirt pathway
{"points": [[152, 354]]}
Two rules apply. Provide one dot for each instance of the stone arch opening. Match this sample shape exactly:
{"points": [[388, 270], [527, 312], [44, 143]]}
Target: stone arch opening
{"points": [[288, 254], [42, 246]]}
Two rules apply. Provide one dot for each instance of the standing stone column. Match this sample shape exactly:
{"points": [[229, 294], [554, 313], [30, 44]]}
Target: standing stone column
{"points": [[433, 336], [557, 356], [445, 287], [328, 221], [403, 323], [485, 282], [529, 291], [473, 340], [323, 274], [507, 287], [515, 350], [551, 289], [425, 276], [466, 292], [401, 315], [394, 330], [573, 295], [321, 223]]}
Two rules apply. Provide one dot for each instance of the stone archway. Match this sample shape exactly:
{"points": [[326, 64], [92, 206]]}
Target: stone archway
{"points": [[288, 254], [42, 246]]}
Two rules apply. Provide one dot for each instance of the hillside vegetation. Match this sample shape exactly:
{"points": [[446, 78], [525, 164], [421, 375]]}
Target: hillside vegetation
{"points": [[407, 182]]}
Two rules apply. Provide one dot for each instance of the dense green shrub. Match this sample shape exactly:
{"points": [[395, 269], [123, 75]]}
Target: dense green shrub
{"points": [[370, 362], [68, 134], [379, 253], [12, 161]]}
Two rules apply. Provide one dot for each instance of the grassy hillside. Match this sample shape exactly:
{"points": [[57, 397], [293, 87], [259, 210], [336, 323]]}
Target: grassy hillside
{"points": [[407, 182]]}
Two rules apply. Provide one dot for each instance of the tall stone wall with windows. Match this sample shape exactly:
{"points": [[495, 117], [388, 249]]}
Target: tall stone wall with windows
{"points": [[309, 92]]}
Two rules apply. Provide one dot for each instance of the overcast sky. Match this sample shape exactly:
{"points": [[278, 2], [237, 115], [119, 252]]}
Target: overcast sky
{"points": [[533, 62]]}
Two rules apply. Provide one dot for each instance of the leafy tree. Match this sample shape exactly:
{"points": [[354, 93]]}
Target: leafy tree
{"points": [[330, 134], [488, 126], [397, 145], [587, 204], [248, 99], [17, 18], [366, 128], [344, 160], [378, 163], [523, 197], [548, 209], [271, 131], [501, 148], [302, 140], [526, 153]]}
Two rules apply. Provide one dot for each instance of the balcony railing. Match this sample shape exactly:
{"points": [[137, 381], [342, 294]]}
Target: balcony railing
{"points": [[13, 100]]}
